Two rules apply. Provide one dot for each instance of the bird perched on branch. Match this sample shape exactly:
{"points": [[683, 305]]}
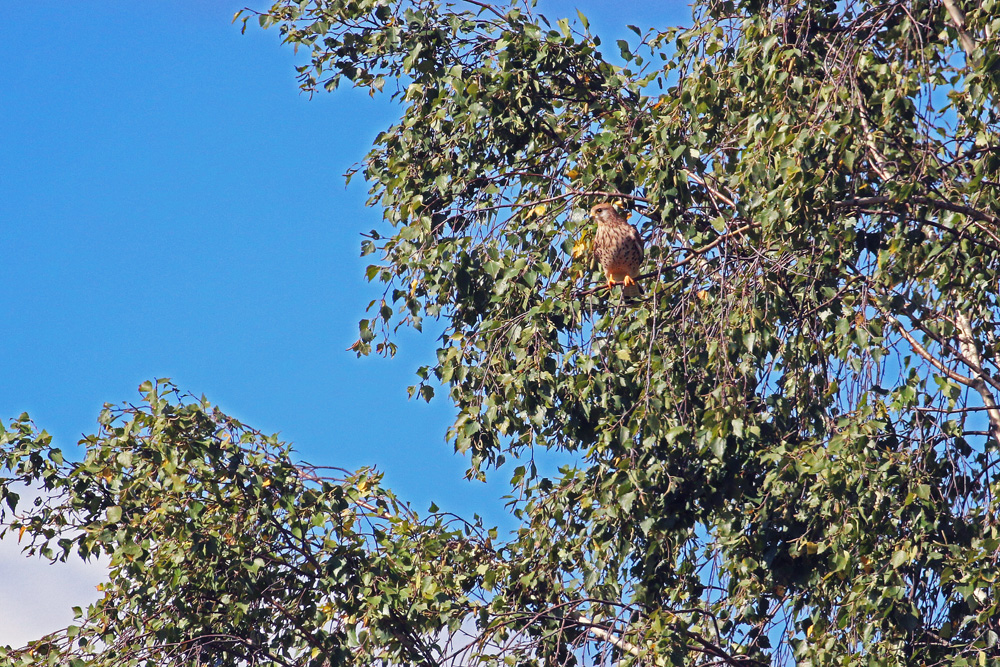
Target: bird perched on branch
{"points": [[618, 247]]}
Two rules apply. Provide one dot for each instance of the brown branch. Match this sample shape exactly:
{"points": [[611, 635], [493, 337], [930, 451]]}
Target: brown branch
{"points": [[488, 7], [922, 351], [878, 160], [951, 411], [968, 211], [306, 634], [705, 184], [599, 193], [969, 356], [717, 652], [973, 362], [711, 246], [973, 213]]}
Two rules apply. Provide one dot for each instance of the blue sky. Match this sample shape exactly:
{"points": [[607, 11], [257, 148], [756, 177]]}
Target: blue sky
{"points": [[172, 206]]}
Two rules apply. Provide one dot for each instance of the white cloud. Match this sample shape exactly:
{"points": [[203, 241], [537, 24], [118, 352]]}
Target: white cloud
{"points": [[37, 597]]}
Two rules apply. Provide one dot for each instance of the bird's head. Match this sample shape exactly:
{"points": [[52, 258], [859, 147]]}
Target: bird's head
{"points": [[604, 213]]}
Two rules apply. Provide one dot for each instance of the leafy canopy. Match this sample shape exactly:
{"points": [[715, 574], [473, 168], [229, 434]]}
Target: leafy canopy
{"points": [[786, 451]]}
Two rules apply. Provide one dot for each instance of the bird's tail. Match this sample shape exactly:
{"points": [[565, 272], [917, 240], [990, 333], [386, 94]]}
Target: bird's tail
{"points": [[632, 290]]}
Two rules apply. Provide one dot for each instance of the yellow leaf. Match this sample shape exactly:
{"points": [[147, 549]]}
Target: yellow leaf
{"points": [[582, 245], [572, 173], [539, 210], [20, 533]]}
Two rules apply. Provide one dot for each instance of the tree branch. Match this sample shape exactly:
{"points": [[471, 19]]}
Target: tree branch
{"points": [[969, 356], [973, 213], [604, 634], [705, 184], [967, 345], [922, 352], [958, 18]]}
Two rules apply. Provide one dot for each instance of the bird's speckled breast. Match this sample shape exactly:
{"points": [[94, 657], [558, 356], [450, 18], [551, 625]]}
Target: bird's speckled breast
{"points": [[618, 249]]}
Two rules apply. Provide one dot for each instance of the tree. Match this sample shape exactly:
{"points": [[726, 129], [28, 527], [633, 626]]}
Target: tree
{"points": [[786, 450]]}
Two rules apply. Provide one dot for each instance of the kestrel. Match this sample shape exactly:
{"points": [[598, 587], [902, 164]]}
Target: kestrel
{"points": [[618, 247]]}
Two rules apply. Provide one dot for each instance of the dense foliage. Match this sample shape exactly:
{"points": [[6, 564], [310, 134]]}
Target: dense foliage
{"points": [[786, 451]]}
